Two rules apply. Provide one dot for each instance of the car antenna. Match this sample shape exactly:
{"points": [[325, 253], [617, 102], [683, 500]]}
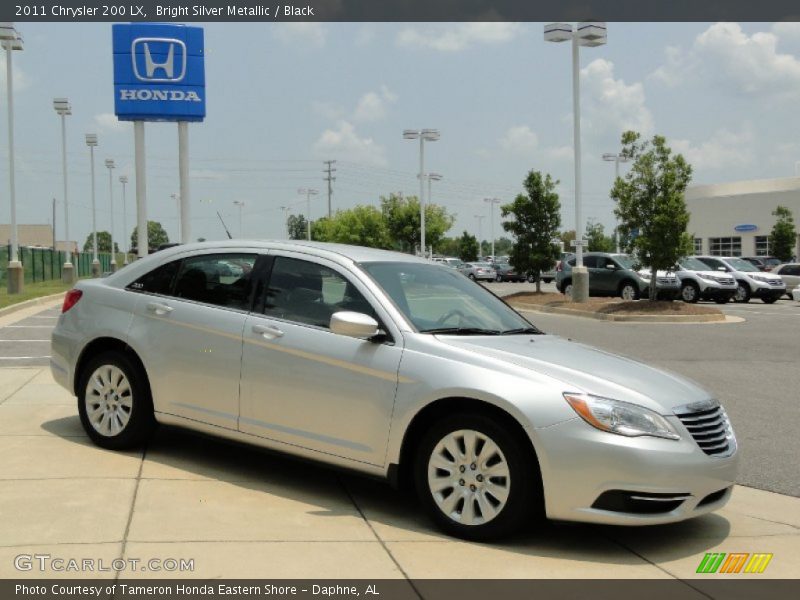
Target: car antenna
{"points": [[230, 237]]}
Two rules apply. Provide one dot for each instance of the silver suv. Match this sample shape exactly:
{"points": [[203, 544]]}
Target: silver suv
{"points": [[395, 367], [698, 282], [750, 281]]}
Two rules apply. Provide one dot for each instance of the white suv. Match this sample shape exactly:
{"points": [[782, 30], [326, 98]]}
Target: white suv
{"points": [[749, 280], [698, 282]]}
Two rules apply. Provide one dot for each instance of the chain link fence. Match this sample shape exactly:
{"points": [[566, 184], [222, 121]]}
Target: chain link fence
{"points": [[46, 264]]}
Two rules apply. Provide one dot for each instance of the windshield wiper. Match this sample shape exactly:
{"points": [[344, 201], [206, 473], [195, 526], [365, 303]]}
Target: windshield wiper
{"points": [[462, 331], [521, 331]]}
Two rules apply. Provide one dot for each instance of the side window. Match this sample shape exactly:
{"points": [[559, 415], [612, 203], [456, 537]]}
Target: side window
{"points": [[157, 281], [590, 262], [218, 279], [310, 293], [713, 264]]}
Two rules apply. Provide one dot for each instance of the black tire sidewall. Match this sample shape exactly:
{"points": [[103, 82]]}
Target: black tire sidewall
{"points": [[524, 500], [696, 289], [747, 292], [141, 421]]}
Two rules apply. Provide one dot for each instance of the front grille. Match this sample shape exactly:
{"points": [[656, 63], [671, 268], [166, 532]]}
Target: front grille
{"points": [[666, 280], [642, 503], [776, 282], [711, 429], [713, 497], [730, 281]]}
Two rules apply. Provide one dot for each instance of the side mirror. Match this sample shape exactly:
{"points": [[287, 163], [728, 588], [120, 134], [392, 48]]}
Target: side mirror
{"points": [[611, 267], [354, 324]]}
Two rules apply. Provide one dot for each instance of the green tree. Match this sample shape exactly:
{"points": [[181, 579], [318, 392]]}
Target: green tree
{"points": [[361, 226], [447, 246], [103, 242], [783, 237], [296, 227], [536, 219], [651, 205], [598, 240], [567, 237], [468, 247], [156, 235], [402, 220]]}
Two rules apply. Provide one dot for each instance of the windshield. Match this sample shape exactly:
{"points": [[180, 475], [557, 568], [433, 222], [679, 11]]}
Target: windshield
{"points": [[626, 262], [739, 264], [693, 264], [440, 300]]}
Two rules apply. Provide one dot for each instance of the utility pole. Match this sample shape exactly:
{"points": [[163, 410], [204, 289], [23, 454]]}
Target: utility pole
{"points": [[330, 178]]}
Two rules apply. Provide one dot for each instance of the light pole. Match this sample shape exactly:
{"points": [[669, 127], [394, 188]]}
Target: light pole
{"points": [[480, 232], [590, 35], [430, 177], [177, 198], [240, 205], [286, 210], [110, 167], [12, 40], [123, 179], [616, 159], [64, 109], [91, 141], [492, 202], [308, 193], [424, 135]]}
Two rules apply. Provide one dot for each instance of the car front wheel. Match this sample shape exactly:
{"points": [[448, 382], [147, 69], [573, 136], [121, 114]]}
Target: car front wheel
{"points": [[742, 292], [629, 291], [475, 477], [690, 292]]}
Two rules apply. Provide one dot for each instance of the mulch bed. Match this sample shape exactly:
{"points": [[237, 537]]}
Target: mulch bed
{"points": [[612, 305]]}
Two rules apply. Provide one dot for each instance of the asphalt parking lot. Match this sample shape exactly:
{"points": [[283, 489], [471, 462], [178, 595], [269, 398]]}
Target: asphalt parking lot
{"points": [[240, 512]]}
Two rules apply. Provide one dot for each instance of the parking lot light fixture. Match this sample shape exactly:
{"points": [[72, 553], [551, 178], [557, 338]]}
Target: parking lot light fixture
{"points": [[240, 205], [91, 142], [123, 179], [423, 135], [616, 158], [110, 166], [589, 34], [492, 202], [64, 109], [308, 192]]}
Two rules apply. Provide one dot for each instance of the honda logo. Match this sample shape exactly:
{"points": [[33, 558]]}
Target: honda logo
{"points": [[154, 59]]}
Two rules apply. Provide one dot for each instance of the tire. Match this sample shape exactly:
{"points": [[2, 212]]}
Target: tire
{"points": [[742, 292], [690, 292], [498, 279], [567, 287], [769, 299], [476, 507], [471, 276], [531, 278], [130, 405], [547, 280], [628, 290]]}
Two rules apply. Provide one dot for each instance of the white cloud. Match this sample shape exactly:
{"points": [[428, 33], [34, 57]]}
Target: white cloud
{"points": [[519, 139], [372, 105], [344, 143], [326, 110], [108, 123], [724, 149], [611, 104], [454, 38], [302, 33]]}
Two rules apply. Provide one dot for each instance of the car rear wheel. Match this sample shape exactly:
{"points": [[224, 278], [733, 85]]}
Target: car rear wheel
{"points": [[769, 299], [690, 292], [114, 402], [629, 291], [498, 279], [568, 289], [474, 477], [742, 292]]}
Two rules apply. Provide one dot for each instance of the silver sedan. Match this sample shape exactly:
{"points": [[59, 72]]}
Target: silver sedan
{"points": [[396, 367]]}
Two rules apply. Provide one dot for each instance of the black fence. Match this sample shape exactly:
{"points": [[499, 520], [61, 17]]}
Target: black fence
{"points": [[46, 264]]}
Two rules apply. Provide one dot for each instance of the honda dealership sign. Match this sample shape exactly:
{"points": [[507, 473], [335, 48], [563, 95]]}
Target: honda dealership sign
{"points": [[159, 73]]}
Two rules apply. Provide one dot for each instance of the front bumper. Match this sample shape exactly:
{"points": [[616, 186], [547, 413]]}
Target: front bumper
{"points": [[580, 463], [768, 291], [712, 293]]}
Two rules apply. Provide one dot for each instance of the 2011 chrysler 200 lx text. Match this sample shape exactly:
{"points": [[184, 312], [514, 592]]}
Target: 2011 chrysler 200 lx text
{"points": [[393, 366]]}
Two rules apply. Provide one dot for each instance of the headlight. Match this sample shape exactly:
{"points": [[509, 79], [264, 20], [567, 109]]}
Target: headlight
{"points": [[708, 277], [759, 278], [619, 417], [645, 276]]}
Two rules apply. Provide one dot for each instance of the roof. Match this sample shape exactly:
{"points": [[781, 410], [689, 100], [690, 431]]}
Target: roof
{"points": [[739, 188]]}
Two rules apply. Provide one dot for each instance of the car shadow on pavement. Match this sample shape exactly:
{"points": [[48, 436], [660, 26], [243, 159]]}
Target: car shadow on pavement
{"points": [[394, 516]]}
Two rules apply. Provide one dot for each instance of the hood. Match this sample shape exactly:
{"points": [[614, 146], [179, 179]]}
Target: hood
{"points": [[587, 369], [646, 273]]}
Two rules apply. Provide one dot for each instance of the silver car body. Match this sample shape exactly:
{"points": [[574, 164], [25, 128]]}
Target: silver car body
{"points": [[761, 283], [790, 273], [349, 402], [479, 271]]}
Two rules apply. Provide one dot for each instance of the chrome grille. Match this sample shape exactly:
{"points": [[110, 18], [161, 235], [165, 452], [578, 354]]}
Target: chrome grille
{"points": [[711, 429], [724, 281], [776, 282], [666, 280]]}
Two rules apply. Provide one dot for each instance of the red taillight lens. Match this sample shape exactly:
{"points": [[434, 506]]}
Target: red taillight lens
{"points": [[558, 266], [71, 299]]}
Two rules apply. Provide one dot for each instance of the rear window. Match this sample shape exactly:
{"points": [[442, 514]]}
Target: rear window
{"points": [[157, 281]]}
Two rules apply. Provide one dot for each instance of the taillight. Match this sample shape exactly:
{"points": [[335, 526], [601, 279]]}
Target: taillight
{"points": [[71, 299], [559, 267]]}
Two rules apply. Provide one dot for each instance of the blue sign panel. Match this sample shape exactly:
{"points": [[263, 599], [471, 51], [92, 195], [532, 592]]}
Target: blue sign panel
{"points": [[745, 227], [159, 72]]}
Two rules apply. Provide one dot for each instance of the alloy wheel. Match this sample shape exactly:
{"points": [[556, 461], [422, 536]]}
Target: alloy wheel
{"points": [[108, 400]]}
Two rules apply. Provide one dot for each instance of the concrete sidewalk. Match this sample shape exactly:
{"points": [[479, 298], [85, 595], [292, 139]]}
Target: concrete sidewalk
{"points": [[238, 512]]}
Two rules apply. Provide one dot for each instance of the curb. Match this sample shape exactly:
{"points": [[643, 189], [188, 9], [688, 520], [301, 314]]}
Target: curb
{"points": [[28, 303], [622, 318]]}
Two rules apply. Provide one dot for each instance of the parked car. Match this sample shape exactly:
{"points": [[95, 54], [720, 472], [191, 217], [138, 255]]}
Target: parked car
{"points": [[617, 275], [479, 271], [395, 367], [448, 261], [790, 273], [764, 263], [698, 282], [749, 280], [505, 272]]}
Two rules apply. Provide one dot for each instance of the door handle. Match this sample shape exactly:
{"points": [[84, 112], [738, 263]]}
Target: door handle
{"points": [[268, 331], [159, 308]]}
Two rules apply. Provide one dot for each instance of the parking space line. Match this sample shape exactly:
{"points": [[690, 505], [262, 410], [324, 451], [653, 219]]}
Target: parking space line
{"points": [[22, 357], [28, 326], [24, 341]]}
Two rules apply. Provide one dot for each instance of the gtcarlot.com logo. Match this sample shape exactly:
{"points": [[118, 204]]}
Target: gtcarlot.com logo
{"points": [[735, 562], [57, 564]]}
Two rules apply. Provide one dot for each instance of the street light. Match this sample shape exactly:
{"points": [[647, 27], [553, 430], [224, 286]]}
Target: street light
{"points": [[240, 205], [64, 109], [589, 35], [492, 202], [123, 179], [91, 141], [110, 166], [286, 210], [308, 193], [177, 198], [430, 177], [12, 40], [424, 135], [616, 159]]}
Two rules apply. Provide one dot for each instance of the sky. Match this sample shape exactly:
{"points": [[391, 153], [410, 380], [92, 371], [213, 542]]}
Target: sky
{"points": [[283, 97]]}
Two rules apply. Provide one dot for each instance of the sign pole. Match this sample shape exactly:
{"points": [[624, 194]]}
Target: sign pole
{"points": [[141, 191], [183, 171]]}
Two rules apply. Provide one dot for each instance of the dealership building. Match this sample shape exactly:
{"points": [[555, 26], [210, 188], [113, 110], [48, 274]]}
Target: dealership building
{"points": [[735, 219]]}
